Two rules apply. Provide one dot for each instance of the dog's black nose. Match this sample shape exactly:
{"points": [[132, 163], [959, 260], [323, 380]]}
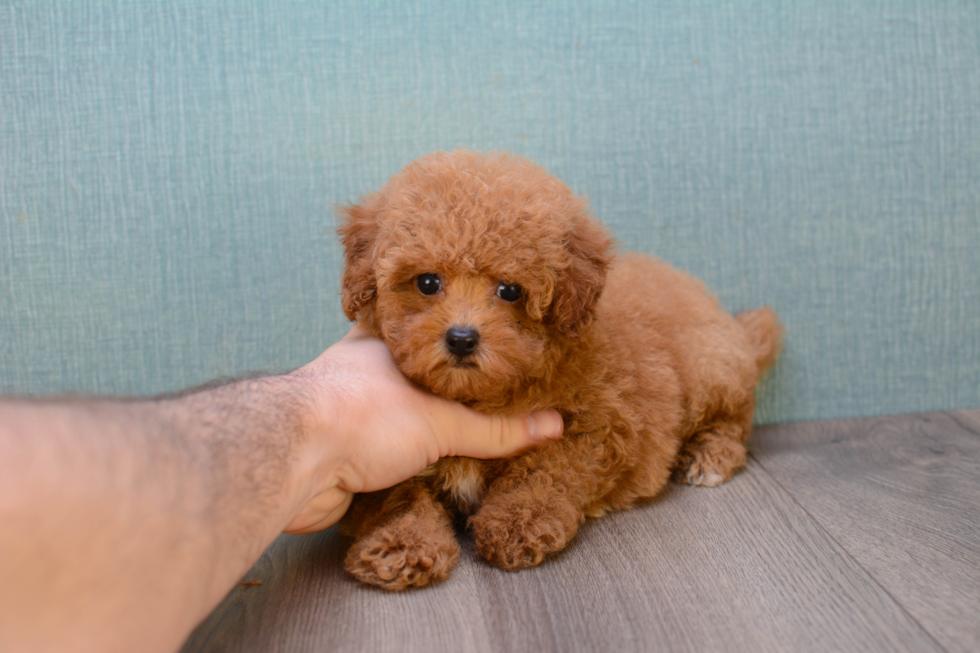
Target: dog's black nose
{"points": [[462, 341]]}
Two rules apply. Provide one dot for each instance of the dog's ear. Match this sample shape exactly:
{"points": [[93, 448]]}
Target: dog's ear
{"points": [[359, 234], [590, 251]]}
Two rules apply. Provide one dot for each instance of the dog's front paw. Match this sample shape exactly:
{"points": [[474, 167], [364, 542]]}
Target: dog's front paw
{"points": [[396, 556], [512, 534]]}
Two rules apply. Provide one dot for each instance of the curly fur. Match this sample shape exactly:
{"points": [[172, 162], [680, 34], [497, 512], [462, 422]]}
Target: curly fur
{"points": [[651, 375]]}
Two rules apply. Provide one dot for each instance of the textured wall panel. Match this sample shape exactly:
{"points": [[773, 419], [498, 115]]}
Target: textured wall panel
{"points": [[168, 173]]}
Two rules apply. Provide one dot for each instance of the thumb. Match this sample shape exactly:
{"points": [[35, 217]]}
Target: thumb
{"points": [[496, 436]]}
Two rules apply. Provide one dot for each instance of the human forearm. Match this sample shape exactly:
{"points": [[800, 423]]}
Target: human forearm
{"points": [[161, 504]]}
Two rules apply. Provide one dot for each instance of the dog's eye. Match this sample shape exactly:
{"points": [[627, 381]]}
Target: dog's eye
{"points": [[509, 292], [428, 283]]}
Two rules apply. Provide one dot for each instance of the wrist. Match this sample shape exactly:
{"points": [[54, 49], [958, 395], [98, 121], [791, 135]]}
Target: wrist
{"points": [[314, 456]]}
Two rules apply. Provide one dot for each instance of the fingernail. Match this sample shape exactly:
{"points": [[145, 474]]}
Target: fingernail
{"points": [[545, 425]]}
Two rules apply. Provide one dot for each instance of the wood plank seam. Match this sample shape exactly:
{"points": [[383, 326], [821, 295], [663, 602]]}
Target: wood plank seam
{"points": [[844, 551]]}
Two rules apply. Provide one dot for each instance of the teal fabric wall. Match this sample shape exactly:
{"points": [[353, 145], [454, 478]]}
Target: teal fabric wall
{"points": [[169, 172]]}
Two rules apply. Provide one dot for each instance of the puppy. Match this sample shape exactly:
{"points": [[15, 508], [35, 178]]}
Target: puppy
{"points": [[493, 286]]}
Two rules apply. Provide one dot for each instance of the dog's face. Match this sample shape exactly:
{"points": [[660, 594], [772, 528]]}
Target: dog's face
{"points": [[471, 267]]}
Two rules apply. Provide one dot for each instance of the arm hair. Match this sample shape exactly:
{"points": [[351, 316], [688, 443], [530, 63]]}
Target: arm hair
{"points": [[197, 483]]}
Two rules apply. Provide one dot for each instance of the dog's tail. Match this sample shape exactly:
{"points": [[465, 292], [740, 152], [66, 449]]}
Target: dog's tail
{"points": [[765, 334]]}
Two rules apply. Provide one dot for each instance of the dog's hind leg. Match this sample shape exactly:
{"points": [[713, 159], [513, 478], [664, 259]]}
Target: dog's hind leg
{"points": [[712, 455], [716, 449], [408, 541]]}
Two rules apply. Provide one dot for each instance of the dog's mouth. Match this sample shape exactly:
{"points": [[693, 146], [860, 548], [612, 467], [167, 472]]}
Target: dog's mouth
{"points": [[459, 379], [483, 373]]}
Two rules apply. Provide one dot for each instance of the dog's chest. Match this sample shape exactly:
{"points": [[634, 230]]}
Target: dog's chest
{"points": [[462, 481]]}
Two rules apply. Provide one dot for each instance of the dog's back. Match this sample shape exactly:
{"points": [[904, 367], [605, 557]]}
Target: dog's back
{"points": [[668, 317]]}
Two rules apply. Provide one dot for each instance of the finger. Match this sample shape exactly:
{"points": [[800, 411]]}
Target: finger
{"points": [[495, 436], [357, 331], [545, 425]]}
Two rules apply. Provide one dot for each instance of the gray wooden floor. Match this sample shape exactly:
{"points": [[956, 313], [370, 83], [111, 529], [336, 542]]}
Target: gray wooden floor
{"points": [[852, 535]]}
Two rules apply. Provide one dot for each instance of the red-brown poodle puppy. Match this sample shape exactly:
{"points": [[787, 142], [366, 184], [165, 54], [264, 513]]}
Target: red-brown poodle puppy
{"points": [[492, 285]]}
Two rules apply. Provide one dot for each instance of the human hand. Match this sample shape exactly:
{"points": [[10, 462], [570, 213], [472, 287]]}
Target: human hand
{"points": [[374, 428]]}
